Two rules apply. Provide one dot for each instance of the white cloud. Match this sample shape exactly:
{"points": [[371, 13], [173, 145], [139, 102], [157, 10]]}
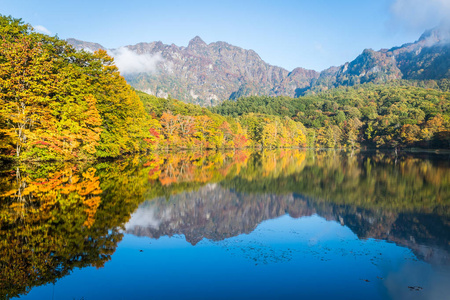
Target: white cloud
{"points": [[42, 29], [145, 218], [421, 14], [130, 62]]}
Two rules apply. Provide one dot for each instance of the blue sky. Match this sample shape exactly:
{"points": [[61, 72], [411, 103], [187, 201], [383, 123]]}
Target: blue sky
{"points": [[313, 34]]}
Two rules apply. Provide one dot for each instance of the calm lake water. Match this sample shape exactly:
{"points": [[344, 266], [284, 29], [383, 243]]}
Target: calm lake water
{"points": [[228, 225]]}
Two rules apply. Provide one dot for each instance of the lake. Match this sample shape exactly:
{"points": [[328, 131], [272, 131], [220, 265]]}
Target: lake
{"points": [[228, 225]]}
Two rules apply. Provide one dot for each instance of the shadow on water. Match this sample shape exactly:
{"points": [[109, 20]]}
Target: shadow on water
{"points": [[63, 216]]}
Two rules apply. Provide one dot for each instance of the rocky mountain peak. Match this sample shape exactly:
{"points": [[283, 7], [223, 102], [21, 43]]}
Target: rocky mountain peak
{"points": [[436, 35], [196, 42]]}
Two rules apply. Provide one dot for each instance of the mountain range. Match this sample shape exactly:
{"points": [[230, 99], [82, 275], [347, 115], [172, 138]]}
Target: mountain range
{"points": [[207, 74]]}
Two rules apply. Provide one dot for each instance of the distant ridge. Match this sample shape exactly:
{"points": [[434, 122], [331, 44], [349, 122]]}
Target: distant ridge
{"points": [[87, 46]]}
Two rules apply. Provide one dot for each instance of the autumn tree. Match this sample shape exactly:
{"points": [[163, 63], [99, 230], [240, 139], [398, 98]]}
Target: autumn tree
{"points": [[58, 103]]}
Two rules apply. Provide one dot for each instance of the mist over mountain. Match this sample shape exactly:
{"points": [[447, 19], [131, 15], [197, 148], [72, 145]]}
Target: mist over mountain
{"points": [[207, 74]]}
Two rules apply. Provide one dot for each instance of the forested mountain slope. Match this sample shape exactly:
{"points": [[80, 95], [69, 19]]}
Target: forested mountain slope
{"points": [[370, 115]]}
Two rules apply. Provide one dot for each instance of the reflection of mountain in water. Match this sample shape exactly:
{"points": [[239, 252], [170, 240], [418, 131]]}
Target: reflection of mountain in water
{"points": [[217, 213], [426, 235], [211, 212]]}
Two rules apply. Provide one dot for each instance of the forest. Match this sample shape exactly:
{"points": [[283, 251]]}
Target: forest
{"points": [[60, 104], [369, 115], [57, 103]]}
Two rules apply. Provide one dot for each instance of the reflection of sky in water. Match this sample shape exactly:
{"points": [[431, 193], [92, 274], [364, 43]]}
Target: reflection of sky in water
{"points": [[306, 258]]}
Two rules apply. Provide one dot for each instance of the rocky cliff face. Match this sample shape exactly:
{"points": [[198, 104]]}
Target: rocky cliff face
{"points": [[426, 59], [207, 74]]}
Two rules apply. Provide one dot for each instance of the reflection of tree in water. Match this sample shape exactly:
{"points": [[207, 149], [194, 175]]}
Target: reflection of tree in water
{"points": [[61, 216], [57, 219], [372, 180]]}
